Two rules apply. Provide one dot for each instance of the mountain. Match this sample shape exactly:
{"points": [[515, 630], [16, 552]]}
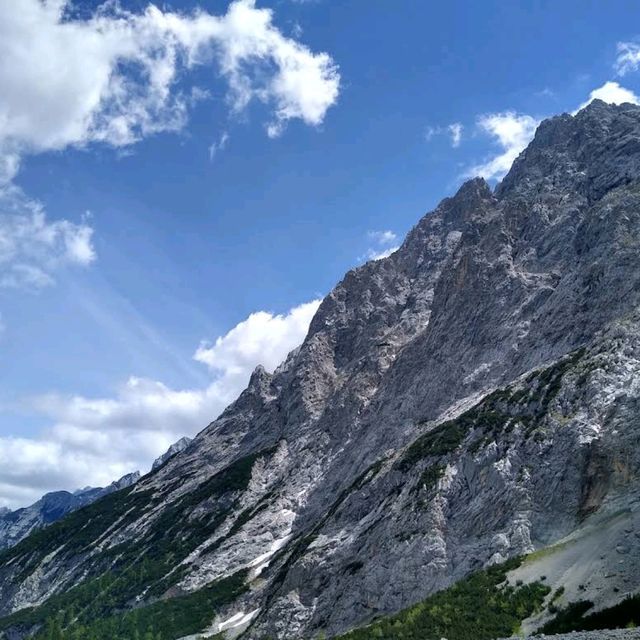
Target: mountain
{"points": [[470, 400], [174, 449], [18, 524]]}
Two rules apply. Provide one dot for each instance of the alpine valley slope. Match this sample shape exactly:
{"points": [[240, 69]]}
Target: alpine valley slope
{"points": [[473, 397], [17, 525]]}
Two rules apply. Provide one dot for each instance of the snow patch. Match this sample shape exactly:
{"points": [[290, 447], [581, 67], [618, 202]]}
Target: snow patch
{"points": [[591, 433], [262, 561], [237, 620]]}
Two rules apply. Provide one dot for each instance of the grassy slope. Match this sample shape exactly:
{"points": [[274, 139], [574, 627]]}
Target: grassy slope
{"points": [[482, 606], [121, 573]]}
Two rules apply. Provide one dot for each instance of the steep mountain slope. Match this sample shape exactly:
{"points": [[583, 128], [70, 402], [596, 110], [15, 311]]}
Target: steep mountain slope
{"points": [[173, 450], [17, 525], [472, 397]]}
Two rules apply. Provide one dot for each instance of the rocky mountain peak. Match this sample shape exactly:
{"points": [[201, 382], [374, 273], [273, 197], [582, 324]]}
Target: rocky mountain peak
{"points": [[174, 449], [587, 154], [126, 481], [472, 197]]}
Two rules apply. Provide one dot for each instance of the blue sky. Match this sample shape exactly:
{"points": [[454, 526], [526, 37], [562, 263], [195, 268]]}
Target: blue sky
{"points": [[169, 215]]}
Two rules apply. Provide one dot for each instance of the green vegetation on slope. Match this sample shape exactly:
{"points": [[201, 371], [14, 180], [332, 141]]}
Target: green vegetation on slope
{"points": [[146, 565], [482, 606], [497, 413], [572, 618], [163, 620]]}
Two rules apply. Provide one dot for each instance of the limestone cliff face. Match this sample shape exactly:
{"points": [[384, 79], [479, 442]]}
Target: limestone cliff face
{"points": [[473, 396]]}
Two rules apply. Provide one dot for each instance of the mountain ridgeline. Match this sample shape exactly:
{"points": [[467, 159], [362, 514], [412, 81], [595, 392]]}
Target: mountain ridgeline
{"points": [[462, 419], [17, 525]]}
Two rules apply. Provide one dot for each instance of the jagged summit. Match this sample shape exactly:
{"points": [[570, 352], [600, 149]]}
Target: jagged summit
{"points": [[173, 450], [470, 398], [589, 153]]}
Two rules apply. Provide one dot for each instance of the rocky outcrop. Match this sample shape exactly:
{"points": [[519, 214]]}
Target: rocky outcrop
{"points": [[471, 397], [174, 449]]}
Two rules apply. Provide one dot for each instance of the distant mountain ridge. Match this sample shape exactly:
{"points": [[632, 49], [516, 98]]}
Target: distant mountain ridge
{"points": [[18, 524], [455, 443]]}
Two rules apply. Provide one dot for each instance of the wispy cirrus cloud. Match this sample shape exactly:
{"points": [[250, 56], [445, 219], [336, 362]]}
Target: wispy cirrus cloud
{"points": [[628, 58], [32, 247], [218, 145], [453, 131]]}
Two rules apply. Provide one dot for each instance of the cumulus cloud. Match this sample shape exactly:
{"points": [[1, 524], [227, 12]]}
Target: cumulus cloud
{"points": [[91, 441], [628, 58], [612, 93], [512, 132], [262, 338], [385, 243], [114, 78]]}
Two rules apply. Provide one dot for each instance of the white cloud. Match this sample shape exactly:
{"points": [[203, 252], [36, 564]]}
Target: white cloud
{"points": [[379, 254], [386, 243], [262, 338], [383, 237], [32, 247], [612, 93], [112, 78], [92, 441], [628, 58], [455, 130], [512, 132]]}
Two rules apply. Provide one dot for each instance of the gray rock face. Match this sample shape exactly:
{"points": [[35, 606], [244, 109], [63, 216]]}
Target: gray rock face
{"points": [[17, 525], [471, 397], [174, 449]]}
